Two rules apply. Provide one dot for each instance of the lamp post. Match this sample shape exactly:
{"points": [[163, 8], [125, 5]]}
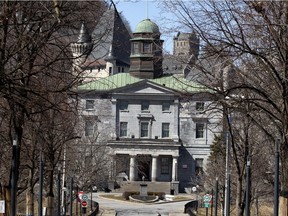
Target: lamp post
{"points": [[276, 179], [247, 198], [216, 197], [59, 192], [14, 177], [40, 213], [71, 196], [227, 178]]}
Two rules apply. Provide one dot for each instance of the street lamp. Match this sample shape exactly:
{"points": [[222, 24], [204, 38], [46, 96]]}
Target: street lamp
{"points": [[40, 212], [247, 198], [59, 192], [276, 179], [14, 176]]}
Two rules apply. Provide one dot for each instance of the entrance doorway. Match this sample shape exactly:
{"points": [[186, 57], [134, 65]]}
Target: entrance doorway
{"points": [[144, 164]]}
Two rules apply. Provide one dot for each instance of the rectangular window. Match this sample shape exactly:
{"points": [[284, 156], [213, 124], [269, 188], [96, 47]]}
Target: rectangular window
{"points": [[144, 106], [198, 166], [122, 69], [199, 106], [135, 48], [89, 104], [200, 130], [123, 129], [123, 105], [165, 130], [89, 128], [119, 69], [110, 70], [146, 48], [144, 129], [166, 107], [164, 165]]}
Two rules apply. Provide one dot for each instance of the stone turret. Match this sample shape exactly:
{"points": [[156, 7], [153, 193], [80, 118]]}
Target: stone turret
{"points": [[82, 48], [146, 51]]}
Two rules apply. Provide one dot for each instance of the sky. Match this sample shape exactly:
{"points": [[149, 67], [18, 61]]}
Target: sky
{"points": [[136, 10]]}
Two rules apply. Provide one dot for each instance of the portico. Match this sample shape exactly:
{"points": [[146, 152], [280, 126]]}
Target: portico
{"points": [[155, 162]]}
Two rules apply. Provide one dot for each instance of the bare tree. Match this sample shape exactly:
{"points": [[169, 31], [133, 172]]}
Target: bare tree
{"points": [[35, 73], [251, 36]]}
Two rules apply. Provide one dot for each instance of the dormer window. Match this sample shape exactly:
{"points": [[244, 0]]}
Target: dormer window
{"points": [[89, 104]]}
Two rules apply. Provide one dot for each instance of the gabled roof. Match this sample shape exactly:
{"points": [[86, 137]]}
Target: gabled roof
{"points": [[111, 34], [120, 80]]}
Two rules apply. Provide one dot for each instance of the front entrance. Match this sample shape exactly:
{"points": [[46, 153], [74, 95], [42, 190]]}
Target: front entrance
{"points": [[144, 167]]}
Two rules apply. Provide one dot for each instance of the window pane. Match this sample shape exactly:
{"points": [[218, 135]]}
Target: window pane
{"points": [[145, 106], [200, 106], [165, 165], [165, 129], [199, 130], [198, 166], [123, 129], [146, 48], [89, 128], [135, 48], [123, 105], [89, 104], [144, 129], [166, 106]]}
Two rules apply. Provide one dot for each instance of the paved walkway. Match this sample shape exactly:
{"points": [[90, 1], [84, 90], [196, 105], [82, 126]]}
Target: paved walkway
{"points": [[107, 211]]}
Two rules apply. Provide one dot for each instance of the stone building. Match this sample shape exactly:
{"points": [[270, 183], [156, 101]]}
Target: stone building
{"points": [[157, 126]]}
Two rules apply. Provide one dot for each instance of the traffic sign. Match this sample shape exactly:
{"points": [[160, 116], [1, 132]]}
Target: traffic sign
{"points": [[85, 197], [84, 204], [207, 199], [80, 194]]}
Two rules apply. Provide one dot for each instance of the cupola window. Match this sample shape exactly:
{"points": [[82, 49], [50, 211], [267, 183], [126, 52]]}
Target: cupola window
{"points": [[135, 48], [147, 48]]}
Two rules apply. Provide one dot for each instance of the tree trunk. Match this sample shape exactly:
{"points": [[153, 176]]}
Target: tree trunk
{"points": [[49, 204], [6, 195], [283, 203], [239, 206], [30, 202]]}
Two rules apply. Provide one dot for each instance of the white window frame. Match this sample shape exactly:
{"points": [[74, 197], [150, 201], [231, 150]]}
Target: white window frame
{"points": [[141, 130], [89, 128], [200, 106], [165, 130], [200, 128], [89, 104], [145, 107], [123, 129], [166, 107]]}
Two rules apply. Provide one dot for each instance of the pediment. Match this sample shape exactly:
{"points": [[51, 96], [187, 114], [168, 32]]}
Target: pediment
{"points": [[145, 87]]}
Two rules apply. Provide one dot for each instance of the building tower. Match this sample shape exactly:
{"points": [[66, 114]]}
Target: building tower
{"points": [[186, 44], [82, 47], [146, 51]]}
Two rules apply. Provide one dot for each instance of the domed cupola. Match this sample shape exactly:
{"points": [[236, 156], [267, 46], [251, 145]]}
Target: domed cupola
{"points": [[147, 26], [146, 51]]}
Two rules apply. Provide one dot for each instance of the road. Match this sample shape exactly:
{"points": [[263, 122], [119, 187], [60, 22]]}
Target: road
{"points": [[123, 208]]}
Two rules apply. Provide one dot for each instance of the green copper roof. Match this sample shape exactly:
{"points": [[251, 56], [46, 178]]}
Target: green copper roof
{"points": [[146, 26], [119, 80]]}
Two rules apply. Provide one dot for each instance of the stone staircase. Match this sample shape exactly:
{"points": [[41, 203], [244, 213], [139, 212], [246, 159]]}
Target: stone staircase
{"points": [[152, 186]]}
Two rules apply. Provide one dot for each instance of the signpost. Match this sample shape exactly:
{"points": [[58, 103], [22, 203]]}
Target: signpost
{"points": [[207, 199]]}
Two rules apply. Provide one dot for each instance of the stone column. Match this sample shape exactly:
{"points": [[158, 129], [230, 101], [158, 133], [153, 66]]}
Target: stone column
{"points": [[174, 168], [154, 168], [132, 168]]}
